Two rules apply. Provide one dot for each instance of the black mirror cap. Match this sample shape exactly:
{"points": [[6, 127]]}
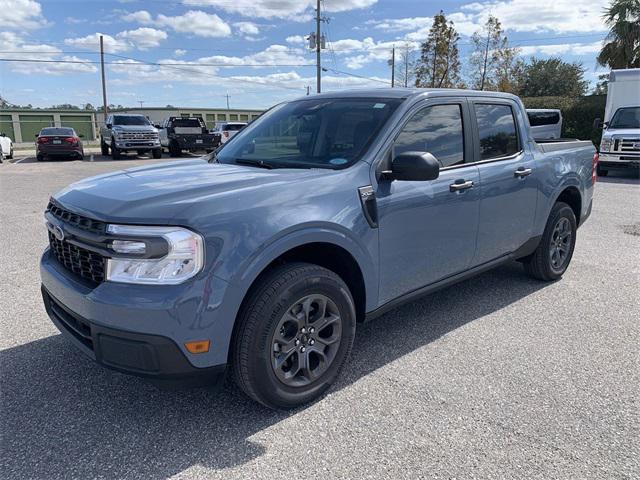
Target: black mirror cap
{"points": [[157, 126], [597, 123], [415, 166]]}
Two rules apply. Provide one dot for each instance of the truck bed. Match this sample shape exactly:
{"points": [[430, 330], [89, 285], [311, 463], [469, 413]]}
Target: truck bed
{"points": [[556, 144]]}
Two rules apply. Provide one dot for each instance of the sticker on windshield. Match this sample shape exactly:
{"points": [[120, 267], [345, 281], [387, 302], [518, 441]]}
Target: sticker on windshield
{"points": [[338, 161], [380, 105]]}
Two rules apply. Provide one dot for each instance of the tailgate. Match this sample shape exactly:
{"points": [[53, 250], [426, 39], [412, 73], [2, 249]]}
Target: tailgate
{"points": [[187, 130]]}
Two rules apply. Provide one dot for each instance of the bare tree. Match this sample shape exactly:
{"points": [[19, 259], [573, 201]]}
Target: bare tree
{"points": [[439, 63]]}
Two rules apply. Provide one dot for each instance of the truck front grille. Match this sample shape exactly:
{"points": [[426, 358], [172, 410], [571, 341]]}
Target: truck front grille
{"points": [[629, 145], [75, 220], [138, 136], [84, 263]]}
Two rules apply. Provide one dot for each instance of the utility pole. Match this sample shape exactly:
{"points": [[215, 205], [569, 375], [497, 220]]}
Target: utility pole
{"points": [[141, 102], [308, 90], [227, 95], [104, 86], [393, 67], [406, 66], [318, 46]]}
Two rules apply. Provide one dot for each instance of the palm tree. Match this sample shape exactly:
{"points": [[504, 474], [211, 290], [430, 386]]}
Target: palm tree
{"points": [[622, 47]]}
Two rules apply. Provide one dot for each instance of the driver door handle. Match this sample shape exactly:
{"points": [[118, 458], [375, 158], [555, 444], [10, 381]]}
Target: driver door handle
{"points": [[460, 185], [522, 172]]}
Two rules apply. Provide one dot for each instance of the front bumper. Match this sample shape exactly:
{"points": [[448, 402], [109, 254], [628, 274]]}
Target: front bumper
{"points": [[142, 329], [137, 144], [155, 357], [619, 160]]}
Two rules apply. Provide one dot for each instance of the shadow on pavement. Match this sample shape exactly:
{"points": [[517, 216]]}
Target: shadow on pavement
{"points": [[63, 416], [630, 177]]}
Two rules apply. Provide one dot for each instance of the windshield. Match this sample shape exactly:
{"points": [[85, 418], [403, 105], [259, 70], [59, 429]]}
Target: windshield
{"points": [[628, 117], [57, 131], [129, 120], [314, 133]]}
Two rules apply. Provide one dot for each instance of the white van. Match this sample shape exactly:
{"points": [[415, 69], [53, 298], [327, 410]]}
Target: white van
{"points": [[620, 145], [546, 123]]}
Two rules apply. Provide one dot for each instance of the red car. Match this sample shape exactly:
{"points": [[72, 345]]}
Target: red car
{"points": [[58, 142]]}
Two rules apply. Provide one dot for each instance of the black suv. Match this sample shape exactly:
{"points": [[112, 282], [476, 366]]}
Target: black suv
{"points": [[179, 133]]}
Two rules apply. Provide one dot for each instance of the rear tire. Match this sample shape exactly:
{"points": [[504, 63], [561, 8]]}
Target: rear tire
{"points": [[294, 334], [553, 255], [10, 157], [39, 157]]}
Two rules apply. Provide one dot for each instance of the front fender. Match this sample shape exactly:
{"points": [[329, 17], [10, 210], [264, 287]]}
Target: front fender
{"points": [[315, 233]]}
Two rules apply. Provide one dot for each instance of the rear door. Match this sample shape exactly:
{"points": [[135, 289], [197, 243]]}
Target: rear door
{"points": [[508, 177], [427, 230]]}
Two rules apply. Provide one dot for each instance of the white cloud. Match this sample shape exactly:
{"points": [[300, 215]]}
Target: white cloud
{"points": [[562, 48], [296, 39], [536, 16], [296, 10], [141, 39], [179, 52], [92, 42], [194, 22], [144, 37], [247, 28], [21, 15], [141, 16], [50, 55]]}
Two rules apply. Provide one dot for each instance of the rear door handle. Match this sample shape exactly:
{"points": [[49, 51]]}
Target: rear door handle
{"points": [[522, 172], [460, 185]]}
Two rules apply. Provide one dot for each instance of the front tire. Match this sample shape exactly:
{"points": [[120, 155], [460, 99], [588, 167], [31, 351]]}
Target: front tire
{"points": [[104, 148], [553, 255], [294, 334], [115, 152], [10, 157], [156, 153]]}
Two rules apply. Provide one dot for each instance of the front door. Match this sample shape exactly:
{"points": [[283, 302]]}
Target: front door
{"points": [[427, 230]]}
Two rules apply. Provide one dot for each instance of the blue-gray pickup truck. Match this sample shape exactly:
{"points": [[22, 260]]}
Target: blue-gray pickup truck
{"points": [[259, 260]]}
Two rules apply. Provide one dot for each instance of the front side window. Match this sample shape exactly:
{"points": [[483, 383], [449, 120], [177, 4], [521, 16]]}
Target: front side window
{"points": [[314, 133], [437, 130], [497, 131]]}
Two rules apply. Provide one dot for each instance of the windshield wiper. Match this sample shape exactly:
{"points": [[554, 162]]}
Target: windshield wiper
{"points": [[254, 163]]}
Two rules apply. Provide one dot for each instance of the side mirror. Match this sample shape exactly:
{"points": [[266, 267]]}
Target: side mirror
{"points": [[109, 125], [597, 123], [37, 135], [414, 166], [605, 125], [157, 126]]}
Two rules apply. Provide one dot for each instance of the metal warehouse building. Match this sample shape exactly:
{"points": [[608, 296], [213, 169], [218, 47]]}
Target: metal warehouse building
{"points": [[22, 125]]}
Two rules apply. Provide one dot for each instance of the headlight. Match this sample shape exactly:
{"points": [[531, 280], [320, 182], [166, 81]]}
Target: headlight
{"points": [[184, 259], [605, 145]]}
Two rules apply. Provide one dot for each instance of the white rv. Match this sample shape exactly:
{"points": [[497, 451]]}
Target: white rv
{"points": [[620, 145]]}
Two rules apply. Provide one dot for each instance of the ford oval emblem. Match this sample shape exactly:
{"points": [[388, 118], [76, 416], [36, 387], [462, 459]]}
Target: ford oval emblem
{"points": [[58, 233], [636, 145]]}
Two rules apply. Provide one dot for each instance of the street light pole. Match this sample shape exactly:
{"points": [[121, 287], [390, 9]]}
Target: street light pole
{"points": [[104, 86]]}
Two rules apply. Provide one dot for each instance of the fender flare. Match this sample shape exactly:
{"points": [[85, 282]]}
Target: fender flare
{"points": [[314, 233]]}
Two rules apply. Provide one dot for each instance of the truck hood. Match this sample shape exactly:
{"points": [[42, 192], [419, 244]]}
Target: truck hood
{"points": [[162, 194], [622, 132]]}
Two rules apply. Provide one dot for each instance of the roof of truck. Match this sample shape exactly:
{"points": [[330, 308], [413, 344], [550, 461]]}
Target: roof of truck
{"points": [[411, 92]]}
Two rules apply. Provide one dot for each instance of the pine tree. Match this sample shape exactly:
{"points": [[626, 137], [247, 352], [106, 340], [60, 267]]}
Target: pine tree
{"points": [[439, 63]]}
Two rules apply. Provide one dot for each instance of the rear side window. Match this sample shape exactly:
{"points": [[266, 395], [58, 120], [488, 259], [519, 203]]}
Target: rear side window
{"points": [[537, 119], [234, 128], [436, 129], [497, 131]]}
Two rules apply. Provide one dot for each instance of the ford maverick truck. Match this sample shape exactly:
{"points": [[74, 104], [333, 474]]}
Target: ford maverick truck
{"points": [[259, 260]]}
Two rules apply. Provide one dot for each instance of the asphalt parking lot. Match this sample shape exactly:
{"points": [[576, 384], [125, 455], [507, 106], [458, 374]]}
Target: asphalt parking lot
{"points": [[499, 376]]}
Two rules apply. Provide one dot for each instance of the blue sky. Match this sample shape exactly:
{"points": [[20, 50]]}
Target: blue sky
{"points": [[252, 50]]}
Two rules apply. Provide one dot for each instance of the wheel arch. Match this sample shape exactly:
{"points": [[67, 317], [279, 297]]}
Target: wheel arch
{"points": [[571, 196]]}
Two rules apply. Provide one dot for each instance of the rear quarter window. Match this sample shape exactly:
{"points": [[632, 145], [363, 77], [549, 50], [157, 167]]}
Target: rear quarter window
{"points": [[537, 119]]}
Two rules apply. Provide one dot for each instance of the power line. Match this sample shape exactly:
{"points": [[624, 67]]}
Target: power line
{"points": [[357, 76], [156, 64]]}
